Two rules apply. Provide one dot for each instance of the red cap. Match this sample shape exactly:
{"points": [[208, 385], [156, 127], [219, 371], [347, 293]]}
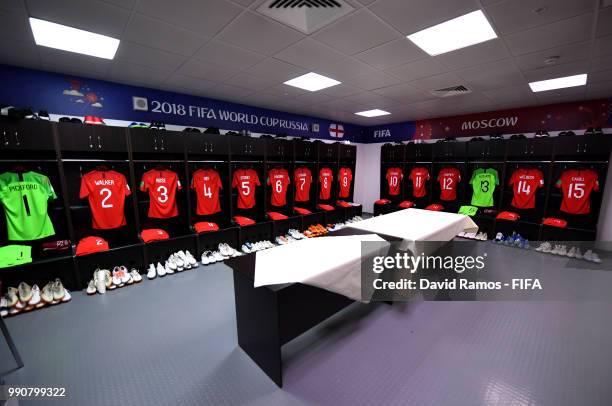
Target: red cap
{"points": [[325, 207], [406, 204], [276, 215], [89, 245], [205, 226], [508, 215], [300, 210], [342, 203], [555, 222], [382, 201], [435, 207], [243, 221], [153, 234]]}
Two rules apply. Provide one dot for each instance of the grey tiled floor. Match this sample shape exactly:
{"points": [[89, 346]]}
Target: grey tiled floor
{"points": [[173, 342]]}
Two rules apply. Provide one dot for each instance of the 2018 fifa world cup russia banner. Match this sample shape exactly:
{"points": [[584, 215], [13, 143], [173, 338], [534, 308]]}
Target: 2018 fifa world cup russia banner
{"points": [[76, 96], [555, 117]]}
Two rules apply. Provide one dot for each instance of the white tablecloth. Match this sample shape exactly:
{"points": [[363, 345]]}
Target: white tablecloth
{"points": [[416, 225], [330, 263]]}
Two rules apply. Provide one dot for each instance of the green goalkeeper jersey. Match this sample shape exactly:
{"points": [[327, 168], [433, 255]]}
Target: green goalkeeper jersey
{"points": [[24, 197], [483, 184]]}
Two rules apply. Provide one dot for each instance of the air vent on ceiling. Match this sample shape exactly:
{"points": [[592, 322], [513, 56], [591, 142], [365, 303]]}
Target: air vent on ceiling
{"points": [[304, 3], [307, 16], [451, 91]]}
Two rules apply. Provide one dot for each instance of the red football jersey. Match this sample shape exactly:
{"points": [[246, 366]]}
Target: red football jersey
{"points": [[278, 178], [419, 177], [525, 183], [246, 180], [326, 177], [162, 186], [576, 186], [206, 183], [394, 179], [302, 178], [106, 192], [345, 177], [448, 179]]}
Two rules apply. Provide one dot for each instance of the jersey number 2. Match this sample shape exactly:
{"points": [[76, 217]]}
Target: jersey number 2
{"points": [[107, 195]]}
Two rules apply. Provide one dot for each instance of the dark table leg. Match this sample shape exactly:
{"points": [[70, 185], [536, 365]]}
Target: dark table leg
{"points": [[258, 326]]}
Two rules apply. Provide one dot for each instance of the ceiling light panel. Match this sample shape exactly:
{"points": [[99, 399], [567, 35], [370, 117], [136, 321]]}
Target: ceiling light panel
{"points": [[559, 83], [71, 39], [373, 113], [469, 29], [312, 82]]}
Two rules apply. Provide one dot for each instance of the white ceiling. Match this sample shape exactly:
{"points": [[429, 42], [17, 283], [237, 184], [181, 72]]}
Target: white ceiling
{"points": [[223, 49]]}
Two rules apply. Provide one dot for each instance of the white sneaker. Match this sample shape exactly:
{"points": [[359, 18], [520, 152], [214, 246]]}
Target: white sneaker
{"points": [[190, 259], [35, 296], [547, 248], [205, 258], [245, 249], [578, 253], [151, 273], [116, 277], [125, 275], [572, 252], [136, 277], [296, 234], [3, 307], [171, 263], [592, 256], [100, 280], [562, 250], [161, 271], [169, 270], [180, 255], [218, 257], [91, 288], [180, 264], [67, 296], [225, 250], [555, 249]]}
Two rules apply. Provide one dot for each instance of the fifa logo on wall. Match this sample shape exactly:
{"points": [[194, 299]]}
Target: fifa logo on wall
{"points": [[140, 103]]}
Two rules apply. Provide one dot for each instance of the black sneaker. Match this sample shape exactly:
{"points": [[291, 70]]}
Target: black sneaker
{"points": [[157, 125], [212, 130], [43, 115], [598, 131], [589, 131], [518, 137], [28, 114]]}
